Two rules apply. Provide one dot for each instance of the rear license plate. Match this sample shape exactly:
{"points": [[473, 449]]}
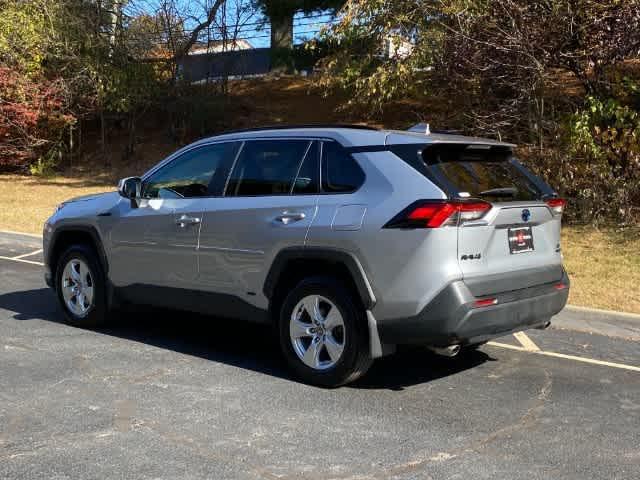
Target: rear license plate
{"points": [[520, 240]]}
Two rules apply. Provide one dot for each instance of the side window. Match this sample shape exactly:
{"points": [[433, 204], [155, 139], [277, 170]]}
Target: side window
{"points": [[340, 172], [308, 178], [192, 174], [266, 167]]}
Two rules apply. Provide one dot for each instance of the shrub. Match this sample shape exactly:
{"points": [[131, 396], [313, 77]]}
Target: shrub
{"points": [[32, 119], [605, 138], [597, 163]]}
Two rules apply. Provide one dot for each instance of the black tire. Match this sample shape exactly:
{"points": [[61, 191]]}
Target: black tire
{"points": [[97, 316], [355, 359]]}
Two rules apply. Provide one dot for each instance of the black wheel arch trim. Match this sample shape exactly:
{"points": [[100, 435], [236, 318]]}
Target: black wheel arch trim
{"points": [[330, 255], [91, 230], [102, 256]]}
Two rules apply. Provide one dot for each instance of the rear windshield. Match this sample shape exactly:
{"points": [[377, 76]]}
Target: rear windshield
{"points": [[480, 171]]}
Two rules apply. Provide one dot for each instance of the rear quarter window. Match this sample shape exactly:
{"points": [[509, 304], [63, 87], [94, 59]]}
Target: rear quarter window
{"points": [[340, 172]]}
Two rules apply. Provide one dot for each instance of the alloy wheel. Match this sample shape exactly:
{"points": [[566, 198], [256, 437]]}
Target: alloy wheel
{"points": [[317, 332], [78, 287]]}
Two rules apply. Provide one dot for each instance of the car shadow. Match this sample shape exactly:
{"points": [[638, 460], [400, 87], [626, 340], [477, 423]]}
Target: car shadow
{"points": [[240, 344]]}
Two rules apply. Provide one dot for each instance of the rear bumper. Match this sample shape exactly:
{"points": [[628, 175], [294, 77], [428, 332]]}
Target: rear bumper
{"points": [[450, 318]]}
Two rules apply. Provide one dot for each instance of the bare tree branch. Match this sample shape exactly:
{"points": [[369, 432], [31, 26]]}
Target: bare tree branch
{"points": [[195, 33]]}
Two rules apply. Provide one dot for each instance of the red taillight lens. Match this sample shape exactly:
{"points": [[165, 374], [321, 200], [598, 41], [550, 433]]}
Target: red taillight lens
{"points": [[556, 205], [485, 302], [434, 214], [431, 215]]}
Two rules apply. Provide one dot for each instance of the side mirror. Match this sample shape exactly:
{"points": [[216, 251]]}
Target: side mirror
{"points": [[130, 187]]}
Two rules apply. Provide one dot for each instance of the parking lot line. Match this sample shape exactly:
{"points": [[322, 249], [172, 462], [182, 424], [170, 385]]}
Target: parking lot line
{"points": [[27, 254], [12, 232], [592, 361], [22, 260], [526, 342]]}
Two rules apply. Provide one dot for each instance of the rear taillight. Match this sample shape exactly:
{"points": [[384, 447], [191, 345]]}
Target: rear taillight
{"points": [[485, 302], [439, 213], [556, 205]]}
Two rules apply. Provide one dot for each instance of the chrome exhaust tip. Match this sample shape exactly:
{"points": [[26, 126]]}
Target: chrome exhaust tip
{"points": [[450, 351], [544, 326]]}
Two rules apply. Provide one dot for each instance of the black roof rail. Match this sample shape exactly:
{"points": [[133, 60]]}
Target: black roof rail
{"points": [[448, 132], [294, 126]]}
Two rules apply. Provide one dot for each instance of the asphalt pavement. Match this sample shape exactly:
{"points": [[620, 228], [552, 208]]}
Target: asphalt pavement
{"points": [[162, 394]]}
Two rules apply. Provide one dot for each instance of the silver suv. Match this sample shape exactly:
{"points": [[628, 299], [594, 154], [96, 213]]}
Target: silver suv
{"points": [[348, 240]]}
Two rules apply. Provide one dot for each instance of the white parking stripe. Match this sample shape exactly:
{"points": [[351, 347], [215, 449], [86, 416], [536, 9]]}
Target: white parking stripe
{"points": [[27, 254], [507, 345], [21, 260], [526, 342], [11, 232], [592, 361]]}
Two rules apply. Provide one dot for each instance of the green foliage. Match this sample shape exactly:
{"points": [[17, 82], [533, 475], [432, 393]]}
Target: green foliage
{"points": [[23, 35], [284, 8], [365, 59], [556, 77], [69, 44], [604, 143], [130, 87], [45, 165]]}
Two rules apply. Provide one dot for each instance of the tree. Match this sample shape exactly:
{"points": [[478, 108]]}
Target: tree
{"points": [[281, 13], [554, 76], [501, 54], [32, 119]]}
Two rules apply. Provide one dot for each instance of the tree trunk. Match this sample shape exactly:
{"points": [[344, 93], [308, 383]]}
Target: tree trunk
{"points": [[103, 136], [282, 42], [115, 13], [282, 32]]}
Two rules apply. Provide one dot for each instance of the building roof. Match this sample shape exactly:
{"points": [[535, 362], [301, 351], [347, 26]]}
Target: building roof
{"points": [[216, 46]]}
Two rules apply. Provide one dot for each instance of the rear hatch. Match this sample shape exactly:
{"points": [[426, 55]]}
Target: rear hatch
{"points": [[516, 244]]}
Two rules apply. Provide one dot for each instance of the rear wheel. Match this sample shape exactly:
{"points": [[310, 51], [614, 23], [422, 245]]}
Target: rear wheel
{"points": [[323, 334], [80, 285]]}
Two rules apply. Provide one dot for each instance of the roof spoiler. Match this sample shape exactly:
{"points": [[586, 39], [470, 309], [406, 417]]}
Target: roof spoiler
{"points": [[422, 128]]}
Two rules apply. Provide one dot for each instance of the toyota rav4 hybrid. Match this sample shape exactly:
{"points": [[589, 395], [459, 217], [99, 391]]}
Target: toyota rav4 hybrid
{"points": [[350, 241]]}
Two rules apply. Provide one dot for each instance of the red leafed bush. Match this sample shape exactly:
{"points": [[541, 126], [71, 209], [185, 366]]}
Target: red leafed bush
{"points": [[32, 118]]}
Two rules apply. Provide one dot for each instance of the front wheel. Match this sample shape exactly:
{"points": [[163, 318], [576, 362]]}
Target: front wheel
{"points": [[80, 285], [323, 333]]}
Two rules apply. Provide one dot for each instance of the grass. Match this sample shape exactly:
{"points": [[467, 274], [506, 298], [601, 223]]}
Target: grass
{"points": [[26, 202], [604, 267], [604, 264]]}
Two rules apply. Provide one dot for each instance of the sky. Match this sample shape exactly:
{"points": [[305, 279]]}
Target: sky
{"points": [[251, 24]]}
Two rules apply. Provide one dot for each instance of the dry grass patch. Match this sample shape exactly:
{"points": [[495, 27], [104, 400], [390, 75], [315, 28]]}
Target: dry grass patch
{"points": [[604, 264], [604, 267], [26, 202]]}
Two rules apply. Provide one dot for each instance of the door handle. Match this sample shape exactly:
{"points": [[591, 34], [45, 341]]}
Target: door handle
{"points": [[185, 221], [289, 217]]}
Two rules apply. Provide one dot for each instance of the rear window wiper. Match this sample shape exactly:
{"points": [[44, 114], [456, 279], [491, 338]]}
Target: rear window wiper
{"points": [[499, 192]]}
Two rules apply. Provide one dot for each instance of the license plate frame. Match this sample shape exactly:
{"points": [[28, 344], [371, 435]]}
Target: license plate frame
{"points": [[520, 240]]}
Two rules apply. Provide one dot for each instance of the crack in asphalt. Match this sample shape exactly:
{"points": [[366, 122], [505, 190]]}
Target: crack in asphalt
{"points": [[527, 420]]}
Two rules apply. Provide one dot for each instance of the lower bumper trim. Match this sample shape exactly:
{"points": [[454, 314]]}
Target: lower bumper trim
{"points": [[450, 318]]}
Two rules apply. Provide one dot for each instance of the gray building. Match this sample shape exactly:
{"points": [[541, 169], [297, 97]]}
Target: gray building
{"points": [[202, 67]]}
